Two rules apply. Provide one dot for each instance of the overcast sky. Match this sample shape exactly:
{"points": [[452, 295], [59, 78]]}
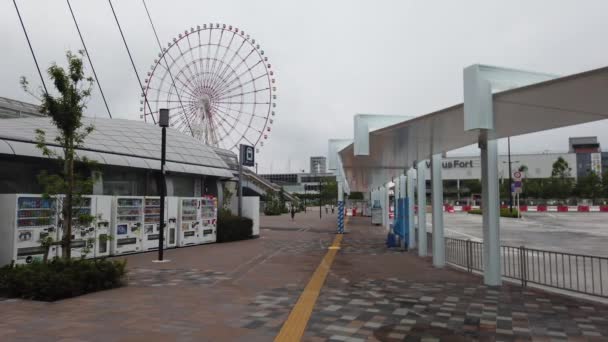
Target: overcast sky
{"points": [[332, 59]]}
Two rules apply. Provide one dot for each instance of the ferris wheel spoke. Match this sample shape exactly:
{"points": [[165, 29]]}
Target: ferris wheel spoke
{"points": [[187, 65], [217, 50], [236, 53], [174, 62], [160, 91], [191, 53], [243, 93], [243, 84], [227, 114], [243, 61], [206, 70], [200, 57], [243, 112], [223, 90], [229, 131], [238, 121], [223, 65], [226, 135], [190, 91]]}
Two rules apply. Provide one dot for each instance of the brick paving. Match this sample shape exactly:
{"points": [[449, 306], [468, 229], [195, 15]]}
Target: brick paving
{"points": [[375, 294], [244, 291]]}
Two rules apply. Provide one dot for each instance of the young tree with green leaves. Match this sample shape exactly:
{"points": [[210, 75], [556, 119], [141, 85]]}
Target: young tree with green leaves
{"points": [[589, 186], [65, 108], [605, 184], [561, 179]]}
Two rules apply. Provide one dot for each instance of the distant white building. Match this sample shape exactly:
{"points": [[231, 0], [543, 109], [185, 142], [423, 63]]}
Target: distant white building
{"points": [[318, 165]]}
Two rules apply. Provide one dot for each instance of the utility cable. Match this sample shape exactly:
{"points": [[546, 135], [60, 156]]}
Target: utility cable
{"points": [[179, 98], [31, 49], [141, 87], [89, 58]]}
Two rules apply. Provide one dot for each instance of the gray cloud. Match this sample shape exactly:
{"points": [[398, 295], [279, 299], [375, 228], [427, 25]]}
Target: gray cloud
{"points": [[332, 58]]}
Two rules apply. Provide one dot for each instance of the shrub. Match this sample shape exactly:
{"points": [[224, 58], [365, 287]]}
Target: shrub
{"points": [[504, 212], [60, 278], [233, 228]]}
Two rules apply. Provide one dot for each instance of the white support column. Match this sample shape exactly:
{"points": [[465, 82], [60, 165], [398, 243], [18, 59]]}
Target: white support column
{"points": [[410, 207], [402, 186], [491, 213], [437, 197], [422, 208]]}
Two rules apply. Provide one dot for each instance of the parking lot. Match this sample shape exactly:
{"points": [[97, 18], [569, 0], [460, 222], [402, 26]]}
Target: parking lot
{"points": [[581, 233]]}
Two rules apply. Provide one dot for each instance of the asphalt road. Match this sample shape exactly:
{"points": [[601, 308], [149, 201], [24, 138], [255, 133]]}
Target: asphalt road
{"points": [[581, 233]]}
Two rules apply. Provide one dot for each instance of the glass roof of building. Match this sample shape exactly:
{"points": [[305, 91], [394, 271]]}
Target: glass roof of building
{"points": [[119, 141]]}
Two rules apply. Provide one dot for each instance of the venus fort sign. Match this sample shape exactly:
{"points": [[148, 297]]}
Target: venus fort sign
{"points": [[454, 164]]}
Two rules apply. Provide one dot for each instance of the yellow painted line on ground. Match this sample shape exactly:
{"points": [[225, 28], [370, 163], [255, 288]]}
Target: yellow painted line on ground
{"points": [[295, 325]]}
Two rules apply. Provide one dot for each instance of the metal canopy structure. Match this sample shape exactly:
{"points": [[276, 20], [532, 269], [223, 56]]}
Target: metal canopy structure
{"points": [[498, 103], [555, 103]]}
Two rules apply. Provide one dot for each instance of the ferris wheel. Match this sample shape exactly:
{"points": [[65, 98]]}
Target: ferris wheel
{"points": [[216, 83]]}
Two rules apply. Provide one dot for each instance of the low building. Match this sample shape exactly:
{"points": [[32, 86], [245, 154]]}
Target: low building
{"points": [[128, 154]]}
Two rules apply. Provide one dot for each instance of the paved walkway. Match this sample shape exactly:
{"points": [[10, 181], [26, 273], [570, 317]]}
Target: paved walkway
{"points": [[244, 291]]}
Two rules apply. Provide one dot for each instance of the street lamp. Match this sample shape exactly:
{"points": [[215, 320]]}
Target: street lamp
{"points": [[320, 197], [163, 122]]}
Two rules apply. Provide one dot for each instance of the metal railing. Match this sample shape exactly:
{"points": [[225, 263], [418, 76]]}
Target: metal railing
{"points": [[580, 273]]}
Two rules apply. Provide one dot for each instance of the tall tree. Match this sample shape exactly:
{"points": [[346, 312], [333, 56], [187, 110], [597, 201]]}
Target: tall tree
{"points": [[605, 184], [589, 186], [561, 179], [65, 108]]}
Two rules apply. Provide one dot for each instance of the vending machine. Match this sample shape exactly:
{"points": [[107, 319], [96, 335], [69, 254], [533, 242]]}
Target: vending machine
{"points": [[208, 219], [26, 220], [91, 220], [151, 230], [189, 221], [83, 228], [102, 223], [127, 224]]}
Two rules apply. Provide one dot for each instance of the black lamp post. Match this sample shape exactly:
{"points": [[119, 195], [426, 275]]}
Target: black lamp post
{"points": [[320, 197], [163, 122]]}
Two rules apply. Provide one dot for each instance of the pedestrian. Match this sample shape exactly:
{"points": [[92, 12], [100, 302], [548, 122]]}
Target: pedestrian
{"points": [[332, 208], [293, 212], [327, 208]]}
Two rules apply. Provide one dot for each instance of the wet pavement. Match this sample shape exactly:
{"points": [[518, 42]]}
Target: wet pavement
{"points": [[578, 233], [244, 291]]}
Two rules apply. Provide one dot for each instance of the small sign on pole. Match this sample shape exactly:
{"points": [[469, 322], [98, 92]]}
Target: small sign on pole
{"points": [[247, 155], [517, 185], [246, 158]]}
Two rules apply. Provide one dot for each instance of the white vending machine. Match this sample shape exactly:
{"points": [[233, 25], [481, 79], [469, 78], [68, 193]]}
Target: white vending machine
{"points": [[102, 223], [189, 221], [83, 228], [90, 236], [151, 232], [127, 224], [208, 219], [26, 219]]}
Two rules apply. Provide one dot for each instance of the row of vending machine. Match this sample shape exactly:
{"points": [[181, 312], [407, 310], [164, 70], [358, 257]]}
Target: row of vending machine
{"points": [[115, 225]]}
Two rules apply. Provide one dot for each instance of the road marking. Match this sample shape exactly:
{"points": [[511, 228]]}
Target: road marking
{"points": [[294, 326], [472, 237]]}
